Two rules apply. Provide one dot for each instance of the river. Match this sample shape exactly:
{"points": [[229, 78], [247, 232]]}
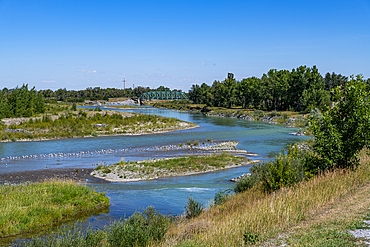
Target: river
{"points": [[167, 194]]}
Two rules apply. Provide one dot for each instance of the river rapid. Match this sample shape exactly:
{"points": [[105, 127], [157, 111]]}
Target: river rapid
{"points": [[167, 194]]}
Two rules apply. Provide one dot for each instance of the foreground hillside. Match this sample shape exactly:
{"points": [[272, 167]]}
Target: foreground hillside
{"points": [[317, 212]]}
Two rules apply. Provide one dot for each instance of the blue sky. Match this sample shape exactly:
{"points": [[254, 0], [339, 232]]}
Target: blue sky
{"points": [[78, 44]]}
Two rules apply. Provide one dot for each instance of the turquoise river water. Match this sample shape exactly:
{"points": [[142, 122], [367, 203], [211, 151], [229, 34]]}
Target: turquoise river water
{"points": [[167, 194]]}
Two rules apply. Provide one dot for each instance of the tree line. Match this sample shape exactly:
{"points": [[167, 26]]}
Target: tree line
{"points": [[20, 102], [301, 89], [97, 93]]}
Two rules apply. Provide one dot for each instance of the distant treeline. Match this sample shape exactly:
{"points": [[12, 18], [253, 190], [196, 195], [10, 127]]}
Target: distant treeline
{"points": [[97, 93], [20, 102], [301, 89]]}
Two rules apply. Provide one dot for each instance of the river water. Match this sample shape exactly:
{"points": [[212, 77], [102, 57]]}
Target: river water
{"points": [[167, 194]]}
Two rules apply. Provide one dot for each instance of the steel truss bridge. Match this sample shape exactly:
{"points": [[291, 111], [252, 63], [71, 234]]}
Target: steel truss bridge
{"points": [[163, 95]]}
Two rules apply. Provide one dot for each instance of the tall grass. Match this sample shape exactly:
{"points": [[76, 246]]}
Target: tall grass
{"points": [[29, 206], [264, 215]]}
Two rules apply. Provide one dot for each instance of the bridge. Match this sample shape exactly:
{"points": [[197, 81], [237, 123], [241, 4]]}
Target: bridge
{"points": [[163, 95]]}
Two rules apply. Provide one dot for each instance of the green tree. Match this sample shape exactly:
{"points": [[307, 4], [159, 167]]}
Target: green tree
{"points": [[314, 96], [40, 103], [275, 89], [4, 104], [249, 92], [195, 94], [218, 92], [229, 90], [345, 128]]}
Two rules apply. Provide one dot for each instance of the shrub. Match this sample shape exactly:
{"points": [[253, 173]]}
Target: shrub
{"points": [[193, 208], [222, 196], [244, 184], [274, 114], [74, 107], [344, 129], [30, 136], [289, 167], [250, 238], [139, 229], [259, 113]]}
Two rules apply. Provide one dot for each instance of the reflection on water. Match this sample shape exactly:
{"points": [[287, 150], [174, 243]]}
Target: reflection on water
{"points": [[166, 194]]}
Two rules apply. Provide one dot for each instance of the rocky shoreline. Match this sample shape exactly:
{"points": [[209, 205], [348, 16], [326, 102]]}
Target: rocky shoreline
{"points": [[75, 174], [267, 119]]}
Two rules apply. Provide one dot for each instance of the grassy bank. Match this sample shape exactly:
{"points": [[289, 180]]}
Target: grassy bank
{"points": [[254, 217], [28, 207], [89, 124], [150, 169], [290, 118]]}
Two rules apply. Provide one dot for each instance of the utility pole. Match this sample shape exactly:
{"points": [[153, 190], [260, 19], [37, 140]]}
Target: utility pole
{"points": [[124, 86]]}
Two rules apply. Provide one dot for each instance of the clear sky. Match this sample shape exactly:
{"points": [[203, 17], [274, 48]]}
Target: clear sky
{"points": [[89, 43]]}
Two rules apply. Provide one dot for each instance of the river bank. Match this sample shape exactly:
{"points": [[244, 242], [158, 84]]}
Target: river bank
{"points": [[287, 118], [30, 207], [74, 174], [87, 124]]}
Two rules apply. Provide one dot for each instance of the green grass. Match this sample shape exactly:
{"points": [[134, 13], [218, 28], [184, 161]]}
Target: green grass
{"points": [[27, 207]]}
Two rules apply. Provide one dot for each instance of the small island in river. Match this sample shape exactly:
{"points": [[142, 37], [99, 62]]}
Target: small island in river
{"points": [[87, 123], [220, 156]]}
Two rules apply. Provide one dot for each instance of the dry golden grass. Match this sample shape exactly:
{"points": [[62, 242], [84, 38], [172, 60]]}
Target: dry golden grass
{"points": [[268, 214]]}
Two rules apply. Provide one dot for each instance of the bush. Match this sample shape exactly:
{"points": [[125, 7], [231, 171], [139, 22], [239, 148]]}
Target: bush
{"points": [[250, 238], [30, 136], [139, 229], [193, 208], [244, 184], [344, 130], [222, 196], [74, 107], [289, 167], [274, 114], [259, 113]]}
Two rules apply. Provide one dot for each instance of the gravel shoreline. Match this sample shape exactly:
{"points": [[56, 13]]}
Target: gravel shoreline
{"points": [[76, 174]]}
